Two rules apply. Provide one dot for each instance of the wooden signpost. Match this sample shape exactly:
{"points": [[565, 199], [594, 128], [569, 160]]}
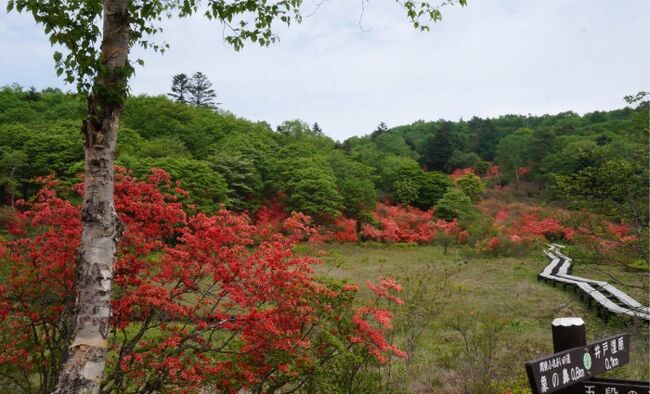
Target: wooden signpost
{"points": [[571, 369]]}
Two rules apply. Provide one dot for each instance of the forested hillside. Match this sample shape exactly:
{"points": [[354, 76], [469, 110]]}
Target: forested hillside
{"points": [[223, 159], [596, 161]]}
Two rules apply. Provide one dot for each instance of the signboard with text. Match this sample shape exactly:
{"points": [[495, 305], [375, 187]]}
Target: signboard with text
{"points": [[611, 386], [569, 367]]}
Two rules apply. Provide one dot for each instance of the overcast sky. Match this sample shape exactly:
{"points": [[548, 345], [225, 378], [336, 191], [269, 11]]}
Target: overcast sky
{"points": [[489, 58]]}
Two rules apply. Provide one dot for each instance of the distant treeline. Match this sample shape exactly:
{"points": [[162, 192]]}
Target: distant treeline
{"points": [[224, 159]]}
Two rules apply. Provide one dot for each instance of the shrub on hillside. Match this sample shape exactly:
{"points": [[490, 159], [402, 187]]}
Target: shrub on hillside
{"points": [[271, 215], [400, 224], [449, 232], [342, 230], [517, 226], [313, 191], [346, 230], [454, 204], [411, 225], [406, 191], [458, 172], [472, 186], [482, 167], [493, 171], [433, 186]]}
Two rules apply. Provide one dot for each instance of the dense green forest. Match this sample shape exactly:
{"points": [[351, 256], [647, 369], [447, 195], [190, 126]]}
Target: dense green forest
{"points": [[597, 159]]}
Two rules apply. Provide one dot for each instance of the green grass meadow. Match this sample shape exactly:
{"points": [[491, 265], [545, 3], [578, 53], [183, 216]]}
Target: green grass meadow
{"points": [[479, 322]]}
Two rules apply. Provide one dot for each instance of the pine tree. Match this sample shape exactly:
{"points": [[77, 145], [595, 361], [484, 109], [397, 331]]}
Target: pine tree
{"points": [[201, 92], [381, 129], [316, 128], [483, 138], [439, 149], [180, 88], [32, 94]]}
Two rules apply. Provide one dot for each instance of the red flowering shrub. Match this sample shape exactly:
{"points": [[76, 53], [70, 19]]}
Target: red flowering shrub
{"points": [[449, 232], [520, 225], [196, 300], [346, 230], [341, 230], [400, 224], [371, 335], [408, 224], [526, 222], [459, 172], [271, 215], [622, 232], [523, 171], [493, 171], [550, 228], [493, 243], [501, 216], [612, 240]]}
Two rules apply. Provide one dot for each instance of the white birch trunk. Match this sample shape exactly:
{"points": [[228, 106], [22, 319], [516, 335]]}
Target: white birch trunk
{"points": [[84, 365]]}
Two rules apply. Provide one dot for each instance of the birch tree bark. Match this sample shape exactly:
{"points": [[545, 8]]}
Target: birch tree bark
{"points": [[82, 370]]}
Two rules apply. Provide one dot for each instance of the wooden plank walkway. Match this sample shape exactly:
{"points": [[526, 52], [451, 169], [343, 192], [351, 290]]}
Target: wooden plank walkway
{"points": [[606, 297]]}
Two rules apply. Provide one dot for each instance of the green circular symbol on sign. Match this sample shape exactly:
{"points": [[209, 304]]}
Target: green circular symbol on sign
{"points": [[586, 360]]}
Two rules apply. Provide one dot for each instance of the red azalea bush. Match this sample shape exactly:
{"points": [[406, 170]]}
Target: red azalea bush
{"points": [[341, 230], [346, 230], [271, 215], [458, 172], [493, 171], [551, 228], [617, 239], [408, 224], [197, 302], [493, 243], [400, 224], [523, 171], [518, 226], [611, 241], [373, 319], [621, 231], [449, 232]]}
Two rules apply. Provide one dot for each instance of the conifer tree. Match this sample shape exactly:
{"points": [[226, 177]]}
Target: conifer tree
{"points": [[200, 91], [32, 94], [439, 149], [381, 129], [180, 88]]}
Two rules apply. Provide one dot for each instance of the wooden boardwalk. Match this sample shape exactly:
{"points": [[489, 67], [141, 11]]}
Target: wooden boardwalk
{"points": [[606, 297]]}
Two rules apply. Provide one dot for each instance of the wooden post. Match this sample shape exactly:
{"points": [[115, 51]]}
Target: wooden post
{"points": [[568, 332]]}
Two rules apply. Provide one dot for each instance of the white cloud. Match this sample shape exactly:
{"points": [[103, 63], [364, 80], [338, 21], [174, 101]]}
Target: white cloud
{"points": [[487, 59]]}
